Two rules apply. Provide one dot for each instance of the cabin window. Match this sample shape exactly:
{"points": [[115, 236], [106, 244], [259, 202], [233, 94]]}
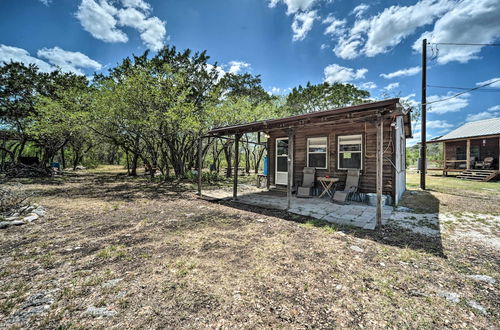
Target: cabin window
{"points": [[350, 152], [317, 152]]}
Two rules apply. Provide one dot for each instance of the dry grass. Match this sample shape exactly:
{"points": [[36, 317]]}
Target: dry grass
{"points": [[189, 263]]}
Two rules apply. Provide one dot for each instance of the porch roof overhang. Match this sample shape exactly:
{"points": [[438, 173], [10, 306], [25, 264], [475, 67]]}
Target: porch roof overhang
{"points": [[385, 107]]}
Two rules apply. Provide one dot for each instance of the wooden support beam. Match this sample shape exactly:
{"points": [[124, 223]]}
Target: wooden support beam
{"points": [[236, 165], [291, 135], [444, 159], [380, 167], [200, 163], [468, 154], [268, 178]]}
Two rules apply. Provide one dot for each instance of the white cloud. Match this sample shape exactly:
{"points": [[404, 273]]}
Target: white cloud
{"points": [[494, 108], [481, 116], [102, 19], [336, 73], [9, 53], [451, 105], [359, 10], [468, 21], [402, 73], [410, 101], [141, 4], [58, 58], [335, 26], [443, 124], [46, 2], [68, 61], [494, 82], [368, 85], [293, 6], [302, 24], [324, 46], [99, 21], [391, 86], [381, 32], [237, 66]]}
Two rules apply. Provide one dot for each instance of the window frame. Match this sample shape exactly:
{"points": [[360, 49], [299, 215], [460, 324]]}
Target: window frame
{"points": [[325, 152], [360, 152]]}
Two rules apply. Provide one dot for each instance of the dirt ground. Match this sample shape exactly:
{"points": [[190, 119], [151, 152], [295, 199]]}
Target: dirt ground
{"points": [[119, 252]]}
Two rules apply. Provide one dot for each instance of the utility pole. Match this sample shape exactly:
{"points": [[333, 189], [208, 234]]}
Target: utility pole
{"points": [[423, 145]]}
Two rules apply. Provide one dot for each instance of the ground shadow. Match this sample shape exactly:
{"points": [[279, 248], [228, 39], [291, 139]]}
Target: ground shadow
{"points": [[388, 234]]}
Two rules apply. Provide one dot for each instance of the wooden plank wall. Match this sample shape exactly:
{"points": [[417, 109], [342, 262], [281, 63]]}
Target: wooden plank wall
{"points": [[368, 174]]}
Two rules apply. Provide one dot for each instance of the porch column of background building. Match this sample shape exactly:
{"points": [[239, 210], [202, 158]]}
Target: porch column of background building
{"points": [[380, 169], [468, 155], [236, 165], [200, 162], [291, 134], [445, 173]]}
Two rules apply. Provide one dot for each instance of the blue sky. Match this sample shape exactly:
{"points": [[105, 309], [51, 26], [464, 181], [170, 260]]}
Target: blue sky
{"points": [[372, 44]]}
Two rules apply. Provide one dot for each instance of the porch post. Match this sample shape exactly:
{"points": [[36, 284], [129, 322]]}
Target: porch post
{"points": [[236, 164], [291, 134], [380, 168], [200, 161], [468, 154], [445, 173], [268, 179]]}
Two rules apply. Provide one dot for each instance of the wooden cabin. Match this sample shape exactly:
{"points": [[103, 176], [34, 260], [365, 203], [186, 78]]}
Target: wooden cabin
{"points": [[334, 141], [472, 150]]}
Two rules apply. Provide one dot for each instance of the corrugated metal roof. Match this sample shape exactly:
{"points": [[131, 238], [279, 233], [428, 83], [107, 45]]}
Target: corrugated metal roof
{"points": [[475, 128]]}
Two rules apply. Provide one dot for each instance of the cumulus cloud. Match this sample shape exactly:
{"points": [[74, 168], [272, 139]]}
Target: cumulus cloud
{"points": [[494, 108], [468, 21], [68, 61], [324, 46], [237, 66], [438, 124], [493, 82], [15, 54], [391, 86], [368, 85], [381, 32], [58, 58], [336, 73], [103, 20], [335, 26], [449, 105], [302, 24], [293, 6], [46, 2], [402, 73], [481, 116], [359, 10]]}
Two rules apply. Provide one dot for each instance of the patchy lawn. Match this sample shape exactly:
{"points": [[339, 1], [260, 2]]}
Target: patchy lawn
{"points": [[120, 252]]}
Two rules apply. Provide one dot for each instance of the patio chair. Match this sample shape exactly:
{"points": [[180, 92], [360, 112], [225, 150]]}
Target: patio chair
{"points": [[305, 189], [351, 187], [486, 164]]}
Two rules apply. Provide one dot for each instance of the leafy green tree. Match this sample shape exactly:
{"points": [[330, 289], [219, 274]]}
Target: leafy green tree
{"points": [[323, 96]]}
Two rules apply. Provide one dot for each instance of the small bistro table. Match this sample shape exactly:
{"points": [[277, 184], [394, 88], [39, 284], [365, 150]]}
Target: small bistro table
{"points": [[327, 184]]}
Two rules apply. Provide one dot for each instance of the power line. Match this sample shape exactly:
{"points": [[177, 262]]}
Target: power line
{"points": [[461, 44], [458, 94], [492, 89]]}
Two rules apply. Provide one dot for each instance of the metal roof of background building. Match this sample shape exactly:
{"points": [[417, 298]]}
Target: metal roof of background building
{"points": [[476, 128]]}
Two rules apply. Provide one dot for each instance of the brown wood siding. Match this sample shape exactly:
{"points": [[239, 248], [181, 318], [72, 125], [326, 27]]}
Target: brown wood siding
{"points": [[332, 132]]}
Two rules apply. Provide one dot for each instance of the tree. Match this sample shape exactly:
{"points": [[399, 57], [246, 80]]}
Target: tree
{"points": [[323, 96]]}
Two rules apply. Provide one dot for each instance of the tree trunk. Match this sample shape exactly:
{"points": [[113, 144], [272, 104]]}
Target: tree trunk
{"points": [[133, 167]]}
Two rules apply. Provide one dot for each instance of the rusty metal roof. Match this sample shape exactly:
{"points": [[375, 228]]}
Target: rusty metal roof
{"points": [[263, 124]]}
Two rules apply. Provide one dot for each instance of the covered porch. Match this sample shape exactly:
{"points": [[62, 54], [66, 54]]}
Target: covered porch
{"points": [[474, 158]]}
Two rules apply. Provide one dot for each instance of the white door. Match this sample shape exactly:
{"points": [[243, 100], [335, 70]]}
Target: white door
{"points": [[281, 161]]}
